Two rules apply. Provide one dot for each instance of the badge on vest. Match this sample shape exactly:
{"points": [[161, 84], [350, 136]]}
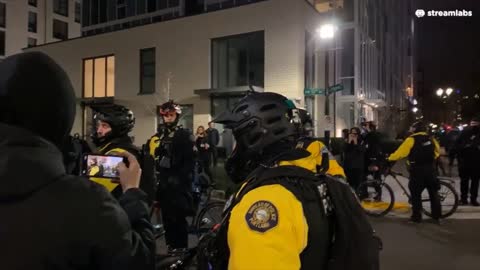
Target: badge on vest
{"points": [[262, 216]]}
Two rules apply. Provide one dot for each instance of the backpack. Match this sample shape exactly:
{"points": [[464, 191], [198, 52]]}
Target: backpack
{"points": [[354, 243]]}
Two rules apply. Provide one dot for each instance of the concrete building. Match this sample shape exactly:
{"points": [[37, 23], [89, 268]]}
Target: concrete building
{"points": [[208, 56], [205, 62], [372, 57], [26, 23]]}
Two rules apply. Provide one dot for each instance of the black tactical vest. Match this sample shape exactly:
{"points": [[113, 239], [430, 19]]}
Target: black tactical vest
{"points": [[422, 152]]}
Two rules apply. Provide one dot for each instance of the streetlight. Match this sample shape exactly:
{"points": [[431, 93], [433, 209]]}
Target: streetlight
{"points": [[414, 109], [439, 92], [449, 91], [327, 32]]}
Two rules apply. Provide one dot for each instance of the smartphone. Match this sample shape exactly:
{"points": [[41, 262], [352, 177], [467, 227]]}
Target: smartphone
{"points": [[101, 166]]}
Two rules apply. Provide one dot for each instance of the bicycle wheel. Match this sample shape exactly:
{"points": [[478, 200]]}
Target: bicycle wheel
{"points": [[448, 200], [376, 198], [208, 217]]}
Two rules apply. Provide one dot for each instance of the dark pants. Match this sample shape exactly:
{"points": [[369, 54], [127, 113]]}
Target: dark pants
{"points": [[469, 174], [176, 229], [354, 177], [424, 178], [204, 159], [213, 155]]}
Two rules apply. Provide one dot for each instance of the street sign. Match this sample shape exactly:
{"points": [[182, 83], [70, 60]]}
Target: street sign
{"points": [[313, 91], [321, 91], [335, 88]]}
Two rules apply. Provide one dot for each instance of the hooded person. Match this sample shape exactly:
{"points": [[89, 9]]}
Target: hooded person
{"points": [[55, 220]]}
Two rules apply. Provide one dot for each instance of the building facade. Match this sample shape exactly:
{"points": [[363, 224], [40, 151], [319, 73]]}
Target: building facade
{"points": [[205, 62], [206, 57], [372, 57], [27, 23]]}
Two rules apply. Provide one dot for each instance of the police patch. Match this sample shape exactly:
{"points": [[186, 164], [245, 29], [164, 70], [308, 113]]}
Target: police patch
{"points": [[262, 216]]}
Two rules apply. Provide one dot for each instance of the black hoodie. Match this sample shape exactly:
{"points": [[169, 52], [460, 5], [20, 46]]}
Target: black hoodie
{"points": [[49, 220]]}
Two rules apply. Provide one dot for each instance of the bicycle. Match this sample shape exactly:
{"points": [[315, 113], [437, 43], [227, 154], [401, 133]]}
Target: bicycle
{"points": [[208, 213], [373, 192]]}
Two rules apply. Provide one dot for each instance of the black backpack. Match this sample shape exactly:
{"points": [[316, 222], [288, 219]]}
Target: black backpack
{"points": [[354, 243]]}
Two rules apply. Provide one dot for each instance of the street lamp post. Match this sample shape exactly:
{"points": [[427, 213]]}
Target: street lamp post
{"points": [[327, 32], [444, 94]]}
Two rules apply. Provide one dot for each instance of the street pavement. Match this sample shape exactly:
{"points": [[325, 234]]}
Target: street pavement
{"points": [[453, 245]]}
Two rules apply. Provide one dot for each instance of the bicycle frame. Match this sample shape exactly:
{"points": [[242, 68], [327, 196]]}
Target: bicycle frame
{"points": [[394, 176]]}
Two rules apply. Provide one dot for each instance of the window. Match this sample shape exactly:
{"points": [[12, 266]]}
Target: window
{"points": [[151, 5], [32, 22], [60, 29], [86, 12], [32, 42], [238, 60], [2, 15], [99, 77], [60, 7], [147, 71], [141, 7], [78, 11], [32, 3], [2, 43]]}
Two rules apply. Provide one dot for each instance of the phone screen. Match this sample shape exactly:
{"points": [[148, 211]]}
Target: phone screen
{"points": [[101, 166]]}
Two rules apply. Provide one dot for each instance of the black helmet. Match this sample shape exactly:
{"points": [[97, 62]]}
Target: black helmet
{"points": [[306, 122], [418, 126], [259, 120], [120, 119]]}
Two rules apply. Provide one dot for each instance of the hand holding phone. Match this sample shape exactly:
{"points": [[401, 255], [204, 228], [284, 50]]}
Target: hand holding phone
{"points": [[129, 176]]}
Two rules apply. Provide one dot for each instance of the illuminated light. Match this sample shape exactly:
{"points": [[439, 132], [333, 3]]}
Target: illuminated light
{"points": [[415, 102], [439, 92], [414, 109], [449, 91], [326, 31]]}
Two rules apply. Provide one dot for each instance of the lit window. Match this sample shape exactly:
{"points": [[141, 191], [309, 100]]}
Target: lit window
{"points": [[99, 77]]}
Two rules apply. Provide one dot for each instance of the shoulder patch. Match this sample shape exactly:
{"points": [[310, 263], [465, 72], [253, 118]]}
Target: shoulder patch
{"points": [[262, 216]]}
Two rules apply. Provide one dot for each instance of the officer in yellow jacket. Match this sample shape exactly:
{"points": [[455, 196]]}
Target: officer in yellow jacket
{"points": [[422, 150], [268, 227], [318, 151], [112, 125]]}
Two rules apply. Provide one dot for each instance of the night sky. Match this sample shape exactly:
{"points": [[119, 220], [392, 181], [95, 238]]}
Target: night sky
{"points": [[448, 52]]}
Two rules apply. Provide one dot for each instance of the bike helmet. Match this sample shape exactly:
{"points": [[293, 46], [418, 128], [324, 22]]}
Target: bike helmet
{"points": [[259, 120], [120, 119], [170, 106], [418, 126]]}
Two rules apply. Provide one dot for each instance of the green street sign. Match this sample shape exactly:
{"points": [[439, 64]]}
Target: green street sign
{"points": [[313, 91], [335, 88]]}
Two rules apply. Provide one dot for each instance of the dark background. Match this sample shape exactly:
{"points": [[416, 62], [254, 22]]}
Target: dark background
{"points": [[448, 55]]}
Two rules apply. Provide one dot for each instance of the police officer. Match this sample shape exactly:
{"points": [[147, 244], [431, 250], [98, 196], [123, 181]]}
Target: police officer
{"points": [[320, 160], [172, 148], [267, 227], [422, 150], [112, 125], [468, 151]]}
